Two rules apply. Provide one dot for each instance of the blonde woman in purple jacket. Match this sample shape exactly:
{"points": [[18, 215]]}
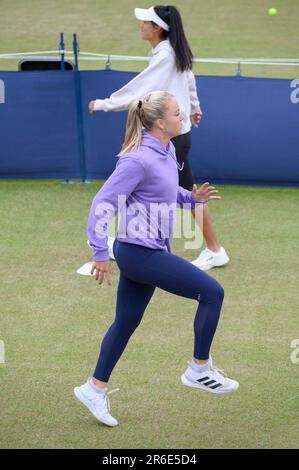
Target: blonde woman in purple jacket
{"points": [[144, 190]]}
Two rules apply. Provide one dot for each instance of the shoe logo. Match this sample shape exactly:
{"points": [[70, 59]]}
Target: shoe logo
{"points": [[209, 383]]}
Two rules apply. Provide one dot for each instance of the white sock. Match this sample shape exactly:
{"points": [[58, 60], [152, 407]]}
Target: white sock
{"points": [[199, 367], [215, 252], [95, 388]]}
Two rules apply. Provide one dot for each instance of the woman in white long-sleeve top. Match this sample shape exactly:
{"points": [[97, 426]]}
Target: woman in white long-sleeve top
{"points": [[170, 69]]}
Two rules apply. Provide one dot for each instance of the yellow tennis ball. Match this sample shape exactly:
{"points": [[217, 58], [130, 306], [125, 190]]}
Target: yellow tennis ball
{"points": [[272, 11]]}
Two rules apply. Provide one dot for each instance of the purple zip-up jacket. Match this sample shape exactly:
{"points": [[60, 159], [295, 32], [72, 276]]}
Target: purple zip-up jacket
{"points": [[144, 189]]}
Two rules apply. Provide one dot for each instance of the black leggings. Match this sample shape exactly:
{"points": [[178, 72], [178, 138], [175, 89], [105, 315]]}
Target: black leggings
{"points": [[182, 145], [141, 271]]}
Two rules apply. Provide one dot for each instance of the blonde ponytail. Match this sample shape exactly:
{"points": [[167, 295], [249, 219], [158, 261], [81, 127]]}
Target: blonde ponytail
{"points": [[143, 114], [133, 135]]}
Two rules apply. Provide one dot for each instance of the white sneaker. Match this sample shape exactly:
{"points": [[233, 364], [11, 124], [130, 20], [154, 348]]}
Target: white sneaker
{"points": [[210, 379], [85, 270], [97, 403], [209, 259], [111, 241]]}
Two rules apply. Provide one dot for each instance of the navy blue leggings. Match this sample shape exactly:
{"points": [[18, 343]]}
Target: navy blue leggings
{"points": [[141, 271]]}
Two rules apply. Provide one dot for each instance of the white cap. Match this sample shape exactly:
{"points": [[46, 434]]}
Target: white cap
{"points": [[150, 15]]}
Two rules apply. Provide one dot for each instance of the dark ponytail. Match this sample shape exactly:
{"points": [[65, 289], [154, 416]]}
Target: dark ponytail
{"points": [[176, 36]]}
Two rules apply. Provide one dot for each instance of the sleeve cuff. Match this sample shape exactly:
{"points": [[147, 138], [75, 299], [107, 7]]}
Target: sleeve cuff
{"points": [[101, 255], [98, 105], [195, 109]]}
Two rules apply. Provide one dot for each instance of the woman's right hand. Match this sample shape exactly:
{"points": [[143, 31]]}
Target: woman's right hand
{"points": [[91, 107], [100, 268], [195, 118], [205, 193]]}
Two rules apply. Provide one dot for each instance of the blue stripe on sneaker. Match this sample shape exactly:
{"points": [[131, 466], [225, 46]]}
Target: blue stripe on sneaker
{"points": [[204, 378], [216, 386], [210, 382]]}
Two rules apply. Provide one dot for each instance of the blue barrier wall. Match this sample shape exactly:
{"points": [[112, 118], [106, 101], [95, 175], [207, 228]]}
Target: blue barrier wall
{"points": [[249, 133], [38, 126]]}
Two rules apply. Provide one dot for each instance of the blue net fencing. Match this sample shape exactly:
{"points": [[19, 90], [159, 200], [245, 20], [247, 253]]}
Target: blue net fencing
{"points": [[249, 133]]}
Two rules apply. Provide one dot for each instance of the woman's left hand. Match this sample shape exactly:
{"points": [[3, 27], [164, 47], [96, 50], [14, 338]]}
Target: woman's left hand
{"points": [[195, 118], [101, 269], [204, 193]]}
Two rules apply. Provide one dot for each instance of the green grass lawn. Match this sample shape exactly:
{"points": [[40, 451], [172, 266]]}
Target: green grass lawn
{"points": [[53, 320], [228, 28]]}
